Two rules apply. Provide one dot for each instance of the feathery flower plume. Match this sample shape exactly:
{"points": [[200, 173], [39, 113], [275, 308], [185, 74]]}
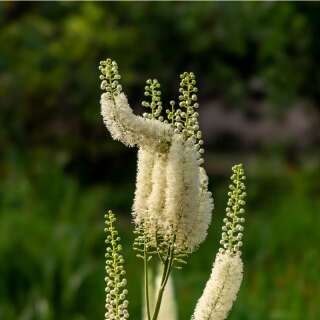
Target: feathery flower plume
{"points": [[182, 193], [204, 216], [169, 197], [222, 288], [116, 292], [119, 118], [172, 206], [143, 185], [224, 283]]}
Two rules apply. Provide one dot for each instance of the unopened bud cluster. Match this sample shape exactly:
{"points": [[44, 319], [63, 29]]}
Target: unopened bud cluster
{"points": [[184, 119], [116, 292], [186, 116], [232, 230], [152, 89], [110, 78]]}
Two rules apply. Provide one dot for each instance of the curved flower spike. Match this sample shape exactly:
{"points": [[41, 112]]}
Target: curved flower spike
{"points": [[122, 123], [171, 198]]}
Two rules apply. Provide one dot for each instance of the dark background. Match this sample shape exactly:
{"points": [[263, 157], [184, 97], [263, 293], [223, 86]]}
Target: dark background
{"points": [[258, 71]]}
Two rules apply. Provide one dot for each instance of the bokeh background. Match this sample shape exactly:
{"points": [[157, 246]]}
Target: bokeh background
{"points": [[258, 70]]}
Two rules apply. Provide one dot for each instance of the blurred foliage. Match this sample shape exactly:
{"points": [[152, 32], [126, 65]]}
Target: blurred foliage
{"points": [[59, 171], [50, 51]]}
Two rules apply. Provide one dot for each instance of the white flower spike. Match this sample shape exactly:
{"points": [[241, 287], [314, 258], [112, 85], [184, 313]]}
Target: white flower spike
{"points": [[172, 207], [224, 283], [171, 200]]}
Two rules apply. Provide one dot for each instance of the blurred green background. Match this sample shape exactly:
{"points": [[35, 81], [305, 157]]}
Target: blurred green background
{"points": [[258, 71]]}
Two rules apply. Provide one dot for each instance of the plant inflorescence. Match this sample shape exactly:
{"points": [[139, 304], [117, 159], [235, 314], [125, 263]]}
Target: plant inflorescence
{"points": [[116, 282], [172, 206], [232, 230]]}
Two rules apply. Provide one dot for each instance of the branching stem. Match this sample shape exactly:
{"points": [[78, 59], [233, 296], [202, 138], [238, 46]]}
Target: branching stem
{"points": [[165, 276]]}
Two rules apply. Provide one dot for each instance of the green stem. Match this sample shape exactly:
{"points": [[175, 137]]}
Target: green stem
{"points": [[146, 286], [164, 280], [115, 267], [157, 248], [231, 240], [186, 123]]}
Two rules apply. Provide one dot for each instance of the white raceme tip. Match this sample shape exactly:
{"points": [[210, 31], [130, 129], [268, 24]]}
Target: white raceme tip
{"points": [[221, 289]]}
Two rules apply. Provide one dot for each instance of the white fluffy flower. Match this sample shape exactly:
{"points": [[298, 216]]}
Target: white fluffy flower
{"points": [[221, 289], [170, 198], [203, 218], [182, 192], [189, 205], [143, 184], [156, 200], [131, 129]]}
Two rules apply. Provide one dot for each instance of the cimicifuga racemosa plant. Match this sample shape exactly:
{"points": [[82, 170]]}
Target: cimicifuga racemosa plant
{"points": [[172, 207]]}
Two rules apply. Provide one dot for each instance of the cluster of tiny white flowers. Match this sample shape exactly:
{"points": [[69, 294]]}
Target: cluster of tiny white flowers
{"points": [[116, 292], [169, 198], [130, 129], [156, 200], [143, 189], [119, 118], [221, 289], [182, 194], [203, 218], [171, 195], [232, 230]]}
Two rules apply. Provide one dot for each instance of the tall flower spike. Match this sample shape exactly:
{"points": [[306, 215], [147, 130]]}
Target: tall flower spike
{"points": [[170, 198], [224, 283], [116, 292], [232, 230], [152, 89], [186, 117]]}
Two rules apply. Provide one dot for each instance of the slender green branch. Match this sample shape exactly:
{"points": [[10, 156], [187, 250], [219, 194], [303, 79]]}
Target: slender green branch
{"points": [[146, 283], [165, 276], [157, 248]]}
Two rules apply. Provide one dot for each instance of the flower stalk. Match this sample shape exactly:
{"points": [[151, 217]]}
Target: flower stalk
{"points": [[116, 292]]}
